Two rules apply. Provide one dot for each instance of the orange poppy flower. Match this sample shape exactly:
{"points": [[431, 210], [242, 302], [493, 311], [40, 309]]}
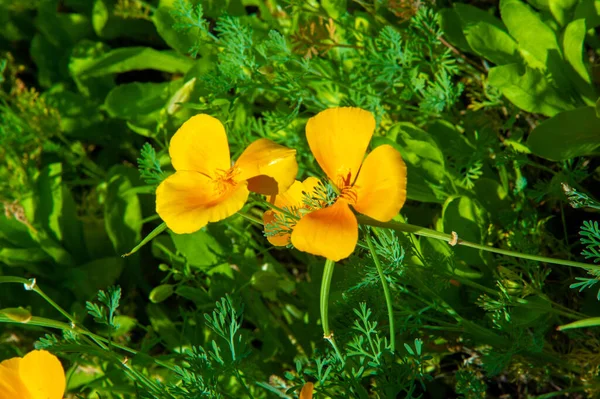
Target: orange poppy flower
{"points": [[307, 391], [292, 201], [37, 375], [374, 186], [205, 187]]}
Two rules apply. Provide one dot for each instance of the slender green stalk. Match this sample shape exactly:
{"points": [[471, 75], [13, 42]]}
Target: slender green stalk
{"points": [[325, 285], [425, 232], [386, 292]]}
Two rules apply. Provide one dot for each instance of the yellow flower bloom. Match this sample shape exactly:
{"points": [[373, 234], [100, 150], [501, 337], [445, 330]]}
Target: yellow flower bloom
{"points": [[37, 375], [374, 186], [307, 391], [205, 187], [291, 200]]}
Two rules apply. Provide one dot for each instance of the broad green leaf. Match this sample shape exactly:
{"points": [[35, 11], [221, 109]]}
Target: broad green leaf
{"points": [[15, 232], [492, 196], [122, 210], [24, 257], [196, 295], [486, 35], [108, 25], [424, 160], [591, 322], [569, 134], [200, 249], [164, 327], [83, 55], [590, 11], [48, 60], [136, 58], [334, 8], [452, 27], [573, 48], [529, 315], [85, 281], [139, 101], [77, 112], [182, 41], [562, 10], [530, 91], [49, 210]]}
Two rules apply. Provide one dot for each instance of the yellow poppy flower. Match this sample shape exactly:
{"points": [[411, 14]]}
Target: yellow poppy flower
{"points": [[307, 391], [292, 200], [205, 187], [374, 186], [37, 375]]}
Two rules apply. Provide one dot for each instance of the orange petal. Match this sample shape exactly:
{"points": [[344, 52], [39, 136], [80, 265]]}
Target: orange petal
{"points": [[43, 374], [188, 201], [11, 386], [269, 167], [200, 145], [381, 184], [278, 240], [307, 391], [331, 232], [338, 138]]}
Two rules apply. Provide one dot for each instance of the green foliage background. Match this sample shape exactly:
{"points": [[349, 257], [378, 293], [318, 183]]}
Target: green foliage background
{"points": [[492, 105]]}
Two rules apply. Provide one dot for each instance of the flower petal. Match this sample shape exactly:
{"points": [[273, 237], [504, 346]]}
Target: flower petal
{"points": [[292, 198], [338, 138], [43, 374], [331, 232], [307, 391], [11, 386], [269, 167], [381, 184], [200, 145], [188, 201]]}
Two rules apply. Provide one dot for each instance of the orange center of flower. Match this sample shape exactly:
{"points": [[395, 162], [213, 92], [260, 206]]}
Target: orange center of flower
{"points": [[225, 179], [349, 194]]}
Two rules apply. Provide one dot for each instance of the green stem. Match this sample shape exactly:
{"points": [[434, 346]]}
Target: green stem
{"points": [[425, 232], [386, 291], [325, 285]]}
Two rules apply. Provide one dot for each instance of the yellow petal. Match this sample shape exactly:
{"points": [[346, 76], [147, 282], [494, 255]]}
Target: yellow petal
{"points": [[381, 184], [11, 386], [200, 145], [307, 391], [292, 198], [338, 138], [269, 167], [43, 374], [188, 201], [331, 232]]}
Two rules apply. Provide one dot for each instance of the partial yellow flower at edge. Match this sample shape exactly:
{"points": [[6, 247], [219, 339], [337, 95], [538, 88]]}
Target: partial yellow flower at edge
{"points": [[38, 375], [205, 187], [375, 186], [292, 198]]}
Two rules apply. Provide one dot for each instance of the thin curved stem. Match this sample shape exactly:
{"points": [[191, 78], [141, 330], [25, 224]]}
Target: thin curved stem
{"points": [[386, 292], [425, 232], [324, 305]]}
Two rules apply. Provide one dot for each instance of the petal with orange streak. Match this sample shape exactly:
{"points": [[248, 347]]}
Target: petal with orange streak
{"points": [[200, 145], [11, 385], [269, 167], [187, 201], [43, 374], [381, 184], [331, 232], [338, 138]]}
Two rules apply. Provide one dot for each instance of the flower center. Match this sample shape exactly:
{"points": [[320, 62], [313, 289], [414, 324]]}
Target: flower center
{"points": [[225, 179], [349, 194]]}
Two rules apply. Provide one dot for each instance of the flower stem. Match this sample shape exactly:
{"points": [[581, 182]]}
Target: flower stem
{"points": [[386, 292], [325, 285], [425, 232]]}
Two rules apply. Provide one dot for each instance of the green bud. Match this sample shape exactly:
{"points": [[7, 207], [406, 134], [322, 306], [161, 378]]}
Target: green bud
{"points": [[161, 293], [19, 314]]}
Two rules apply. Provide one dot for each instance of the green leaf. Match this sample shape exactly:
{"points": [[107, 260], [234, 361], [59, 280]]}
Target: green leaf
{"points": [[200, 249], [424, 160], [140, 101], [19, 315], [591, 322], [590, 10], [573, 48], [122, 210], [562, 10], [24, 257], [568, 134], [108, 25], [451, 25], [531, 91], [136, 58], [164, 327], [77, 112], [84, 55], [486, 35], [85, 281], [182, 41]]}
